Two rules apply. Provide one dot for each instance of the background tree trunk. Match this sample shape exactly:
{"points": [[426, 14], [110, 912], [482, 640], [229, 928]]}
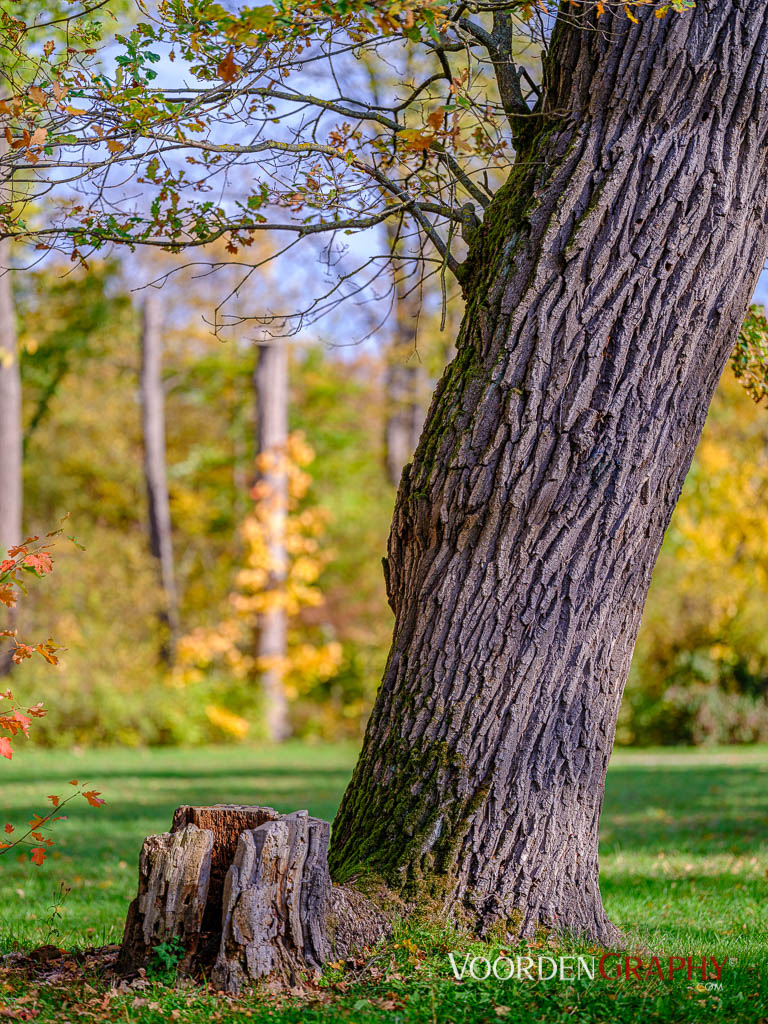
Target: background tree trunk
{"points": [[153, 424], [11, 485], [405, 380], [271, 384], [604, 292]]}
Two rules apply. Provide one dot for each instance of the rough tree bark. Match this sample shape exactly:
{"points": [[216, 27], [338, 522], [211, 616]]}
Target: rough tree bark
{"points": [[153, 426], [271, 386], [604, 291], [11, 487]]}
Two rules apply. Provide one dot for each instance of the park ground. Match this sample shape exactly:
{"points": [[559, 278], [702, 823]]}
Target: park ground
{"points": [[684, 871]]}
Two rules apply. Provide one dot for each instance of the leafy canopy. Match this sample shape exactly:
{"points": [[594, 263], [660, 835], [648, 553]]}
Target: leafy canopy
{"points": [[298, 116]]}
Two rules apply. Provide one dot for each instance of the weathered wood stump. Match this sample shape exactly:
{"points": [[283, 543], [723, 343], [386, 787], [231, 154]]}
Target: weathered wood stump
{"points": [[248, 894]]}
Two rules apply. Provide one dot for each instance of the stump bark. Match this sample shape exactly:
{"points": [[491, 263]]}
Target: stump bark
{"points": [[248, 895]]}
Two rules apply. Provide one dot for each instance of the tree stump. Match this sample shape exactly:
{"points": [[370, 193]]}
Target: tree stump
{"points": [[247, 893]]}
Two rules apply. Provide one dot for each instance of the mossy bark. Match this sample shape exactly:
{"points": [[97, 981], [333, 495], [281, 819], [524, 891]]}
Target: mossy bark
{"points": [[604, 292]]}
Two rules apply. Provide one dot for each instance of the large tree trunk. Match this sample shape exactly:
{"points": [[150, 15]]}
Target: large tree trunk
{"points": [[271, 384], [604, 292], [11, 487], [153, 423]]}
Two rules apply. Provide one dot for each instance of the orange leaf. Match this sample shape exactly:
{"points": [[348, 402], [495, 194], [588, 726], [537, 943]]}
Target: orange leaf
{"points": [[74, 782], [227, 69], [93, 798], [38, 855], [54, 800], [8, 827], [47, 653], [6, 750], [114, 146]]}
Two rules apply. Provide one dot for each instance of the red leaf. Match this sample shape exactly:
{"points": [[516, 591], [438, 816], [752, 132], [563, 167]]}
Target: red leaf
{"points": [[93, 798], [54, 800], [40, 562], [22, 720], [38, 855], [74, 782], [8, 827], [6, 750]]}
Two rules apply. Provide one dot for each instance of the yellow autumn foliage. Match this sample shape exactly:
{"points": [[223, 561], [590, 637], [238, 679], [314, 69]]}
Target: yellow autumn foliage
{"points": [[282, 562], [227, 721]]}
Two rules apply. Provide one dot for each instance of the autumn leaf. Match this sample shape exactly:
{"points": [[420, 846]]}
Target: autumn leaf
{"points": [[47, 652], [93, 798], [54, 800], [38, 855], [7, 597], [40, 562], [6, 750], [114, 146], [22, 651], [8, 827], [22, 720], [227, 69], [37, 94], [74, 782], [415, 141]]}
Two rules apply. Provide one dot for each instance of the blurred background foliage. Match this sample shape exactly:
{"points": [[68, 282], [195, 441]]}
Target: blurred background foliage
{"points": [[700, 672]]}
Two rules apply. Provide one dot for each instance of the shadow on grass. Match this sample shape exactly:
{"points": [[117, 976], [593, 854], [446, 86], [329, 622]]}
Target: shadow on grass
{"points": [[696, 808]]}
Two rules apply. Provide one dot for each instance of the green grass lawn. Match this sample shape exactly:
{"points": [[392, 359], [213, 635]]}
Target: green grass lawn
{"points": [[684, 870]]}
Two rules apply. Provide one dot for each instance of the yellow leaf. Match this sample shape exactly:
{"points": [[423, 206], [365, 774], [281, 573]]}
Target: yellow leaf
{"points": [[114, 146], [630, 15]]}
